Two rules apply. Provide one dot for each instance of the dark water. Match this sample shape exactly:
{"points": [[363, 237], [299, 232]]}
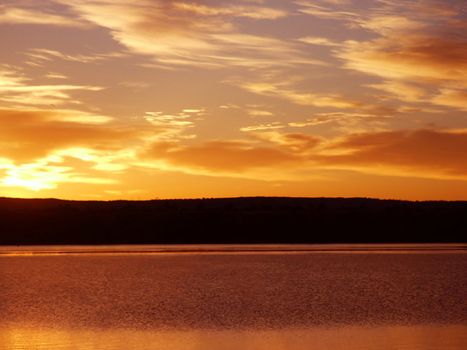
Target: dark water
{"points": [[412, 299]]}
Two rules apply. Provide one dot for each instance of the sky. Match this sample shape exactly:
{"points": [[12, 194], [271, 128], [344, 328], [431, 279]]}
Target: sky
{"points": [[118, 99]]}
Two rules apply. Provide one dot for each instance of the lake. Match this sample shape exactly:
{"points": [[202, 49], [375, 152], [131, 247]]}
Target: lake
{"points": [[409, 297]]}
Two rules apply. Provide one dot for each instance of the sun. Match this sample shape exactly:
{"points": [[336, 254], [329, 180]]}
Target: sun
{"points": [[30, 184], [36, 176]]}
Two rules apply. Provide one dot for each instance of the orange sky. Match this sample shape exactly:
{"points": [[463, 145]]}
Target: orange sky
{"points": [[107, 99]]}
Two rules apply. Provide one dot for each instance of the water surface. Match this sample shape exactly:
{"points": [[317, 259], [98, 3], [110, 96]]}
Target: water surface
{"points": [[228, 297]]}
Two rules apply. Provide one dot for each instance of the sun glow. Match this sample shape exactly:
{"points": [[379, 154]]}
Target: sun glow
{"points": [[35, 176]]}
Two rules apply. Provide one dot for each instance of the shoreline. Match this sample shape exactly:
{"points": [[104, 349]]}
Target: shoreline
{"points": [[47, 250]]}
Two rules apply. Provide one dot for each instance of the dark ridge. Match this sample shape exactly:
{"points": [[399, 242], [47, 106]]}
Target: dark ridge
{"points": [[231, 220]]}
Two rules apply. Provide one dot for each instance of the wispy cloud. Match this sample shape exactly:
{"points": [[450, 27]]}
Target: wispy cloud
{"points": [[221, 158], [38, 57], [456, 98], [253, 12], [12, 14], [327, 10], [265, 126], [401, 90], [17, 89], [414, 44], [171, 127], [422, 153], [345, 121], [313, 40], [34, 133], [192, 33], [285, 90]]}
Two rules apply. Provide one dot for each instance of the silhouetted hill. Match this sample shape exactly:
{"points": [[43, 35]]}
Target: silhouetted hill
{"points": [[233, 220]]}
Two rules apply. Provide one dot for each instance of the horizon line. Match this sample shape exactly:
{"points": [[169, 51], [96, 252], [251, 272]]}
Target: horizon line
{"points": [[237, 197]]}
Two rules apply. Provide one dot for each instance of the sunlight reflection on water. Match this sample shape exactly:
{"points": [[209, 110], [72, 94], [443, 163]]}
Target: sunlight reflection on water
{"points": [[349, 338], [396, 300]]}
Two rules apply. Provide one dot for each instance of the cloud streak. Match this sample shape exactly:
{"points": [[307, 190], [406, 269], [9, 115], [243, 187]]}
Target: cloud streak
{"points": [[18, 90], [422, 153], [11, 14], [192, 33]]}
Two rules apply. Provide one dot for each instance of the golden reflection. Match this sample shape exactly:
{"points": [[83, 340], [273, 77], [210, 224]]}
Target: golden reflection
{"points": [[348, 338]]}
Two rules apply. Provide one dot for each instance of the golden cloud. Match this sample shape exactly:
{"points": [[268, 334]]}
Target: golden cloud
{"points": [[17, 89], [345, 122], [11, 14], [254, 12], [264, 126], [191, 33], [401, 90], [29, 134], [411, 60], [419, 153], [221, 157], [412, 57], [37, 57], [170, 127], [455, 98], [408, 153], [297, 143], [327, 10], [417, 43], [283, 90], [313, 40]]}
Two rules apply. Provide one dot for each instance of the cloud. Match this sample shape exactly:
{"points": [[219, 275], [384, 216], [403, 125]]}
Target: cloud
{"points": [[327, 10], [221, 158], [296, 143], [420, 153], [17, 89], [254, 112], [253, 12], [37, 57], [411, 44], [408, 56], [401, 90], [10, 77], [41, 94], [455, 98], [284, 90], [176, 33], [380, 14], [265, 126], [53, 75], [415, 46], [417, 41], [30, 134], [409, 60], [346, 122], [313, 40], [266, 154], [11, 14], [40, 149], [171, 127]]}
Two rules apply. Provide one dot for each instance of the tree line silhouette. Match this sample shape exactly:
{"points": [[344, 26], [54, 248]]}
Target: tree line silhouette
{"points": [[231, 220]]}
